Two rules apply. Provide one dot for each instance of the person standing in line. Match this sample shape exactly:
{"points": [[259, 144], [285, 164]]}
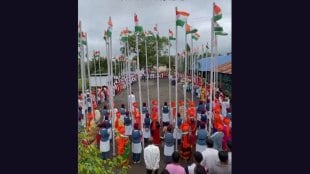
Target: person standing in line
{"points": [[165, 115], [175, 167], [196, 167], [155, 130], [210, 155], [123, 111], [217, 138], [202, 136], [104, 142], [136, 144], [222, 166], [169, 145], [151, 157], [200, 107], [144, 110], [131, 100], [147, 128], [127, 123]]}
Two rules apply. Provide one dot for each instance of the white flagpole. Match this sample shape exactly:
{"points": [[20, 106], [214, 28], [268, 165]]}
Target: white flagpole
{"points": [[158, 101], [176, 81], [169, 80], [211, 74], [91, 99], [95, 75], [185, 73], [82, 71], [192, 69], [139, 83], [129, 69], [127, 73], [147, 76], [100, 70], [112, 98]]}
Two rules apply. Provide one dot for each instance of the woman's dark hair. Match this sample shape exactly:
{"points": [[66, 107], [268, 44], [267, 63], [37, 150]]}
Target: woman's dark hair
{"points": [[198, 157], [223, 156], [175, 157], [199, 169], [209, 142]]}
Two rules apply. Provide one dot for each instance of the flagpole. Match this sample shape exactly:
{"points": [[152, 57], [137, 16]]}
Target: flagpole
{"points": [[91, 99], [158, 101], [185, 73], [192, 58], [139, 83], [147, 76], [169, 80], [129, 69], [83, 92], [126, 72], [82, 72], [95, 77], [176, 80], [100, 80], [211, 74]]}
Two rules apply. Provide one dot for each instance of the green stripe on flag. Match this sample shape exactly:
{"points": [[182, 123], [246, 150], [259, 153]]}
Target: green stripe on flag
{"points": [[217, 17], [192, 31], [220, 33], [180, 23], [138, 28], [194, 37], [171, 38]]}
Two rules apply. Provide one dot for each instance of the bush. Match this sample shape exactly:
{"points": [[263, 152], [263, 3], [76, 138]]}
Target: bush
{"points": [[90, 161]]}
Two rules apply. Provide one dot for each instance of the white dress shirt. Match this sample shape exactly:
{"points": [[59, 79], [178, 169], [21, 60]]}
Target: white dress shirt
{"points": [[151, 157], [210, 157]]}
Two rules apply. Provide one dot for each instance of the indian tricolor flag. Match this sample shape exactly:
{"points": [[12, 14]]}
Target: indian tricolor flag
{"points": [[171, 35], [217, 27], [217, 12], [181, 17], [138, 28], [109, 30], [195, 36], [124, 34], [96, 53], [189, 29], [84, 38], [148, 34]]}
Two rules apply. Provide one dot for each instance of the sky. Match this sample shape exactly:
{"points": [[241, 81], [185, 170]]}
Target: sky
{"points": [[94, 15]]}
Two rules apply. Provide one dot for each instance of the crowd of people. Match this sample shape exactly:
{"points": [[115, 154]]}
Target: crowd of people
{"points": [[200, 135]]}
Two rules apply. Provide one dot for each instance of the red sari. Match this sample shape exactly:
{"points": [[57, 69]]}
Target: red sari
{"points": [[186, 149], [155, 131]]}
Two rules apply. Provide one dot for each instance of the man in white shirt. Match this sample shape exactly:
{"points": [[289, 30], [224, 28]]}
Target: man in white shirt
{"points": [[221, 166], [151, 157], [225, 105], [131, 100], [210, 155]]}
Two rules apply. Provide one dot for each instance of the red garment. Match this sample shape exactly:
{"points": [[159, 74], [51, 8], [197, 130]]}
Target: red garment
{"points": [[192, 136], [155, 132], [227, 136]]}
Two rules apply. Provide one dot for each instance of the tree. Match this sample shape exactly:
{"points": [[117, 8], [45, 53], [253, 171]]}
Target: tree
{"points": [[151, 49]]}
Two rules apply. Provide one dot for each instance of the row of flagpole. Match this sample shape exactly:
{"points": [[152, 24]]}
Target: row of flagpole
{"points": [[126, 70]]}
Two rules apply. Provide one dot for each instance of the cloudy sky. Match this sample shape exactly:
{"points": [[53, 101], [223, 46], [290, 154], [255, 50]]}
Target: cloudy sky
{"points": [[94, 15]]}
